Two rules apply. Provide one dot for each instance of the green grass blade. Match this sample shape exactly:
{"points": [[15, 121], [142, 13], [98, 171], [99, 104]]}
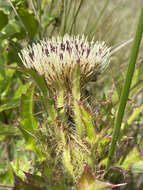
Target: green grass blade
{"points": [[75, 16], [98, 18], [125, 91], [67, 11]]}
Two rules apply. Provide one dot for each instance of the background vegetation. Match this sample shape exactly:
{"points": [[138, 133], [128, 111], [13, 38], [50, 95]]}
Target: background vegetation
{"points": [[23, 165]]}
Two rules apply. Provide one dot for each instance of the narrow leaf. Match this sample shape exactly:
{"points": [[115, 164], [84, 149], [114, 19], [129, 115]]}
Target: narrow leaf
{"points": [[40, 81], [88, 123], [76, 99], [28, 124]]}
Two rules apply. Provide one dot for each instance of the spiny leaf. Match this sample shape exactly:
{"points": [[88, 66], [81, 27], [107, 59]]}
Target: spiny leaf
{"points": [[88, 122], [88, 182], [76, 98], [67, 161], [60, 105], [86, 179], [49, 106], [27, 121], [76, 82], [60, 99]]}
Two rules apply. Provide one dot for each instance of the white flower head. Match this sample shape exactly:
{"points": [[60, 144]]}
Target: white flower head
{"points": [[55, 58]]}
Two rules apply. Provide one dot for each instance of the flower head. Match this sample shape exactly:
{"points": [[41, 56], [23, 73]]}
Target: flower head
{"points": [[56, 58]]}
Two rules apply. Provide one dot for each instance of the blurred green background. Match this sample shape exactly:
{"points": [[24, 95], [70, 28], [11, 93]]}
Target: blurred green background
{"points": [[25, 21]]}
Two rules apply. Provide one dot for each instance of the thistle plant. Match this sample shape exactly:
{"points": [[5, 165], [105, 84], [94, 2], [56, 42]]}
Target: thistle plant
{"points": [[68, 63], [59, 125]]}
